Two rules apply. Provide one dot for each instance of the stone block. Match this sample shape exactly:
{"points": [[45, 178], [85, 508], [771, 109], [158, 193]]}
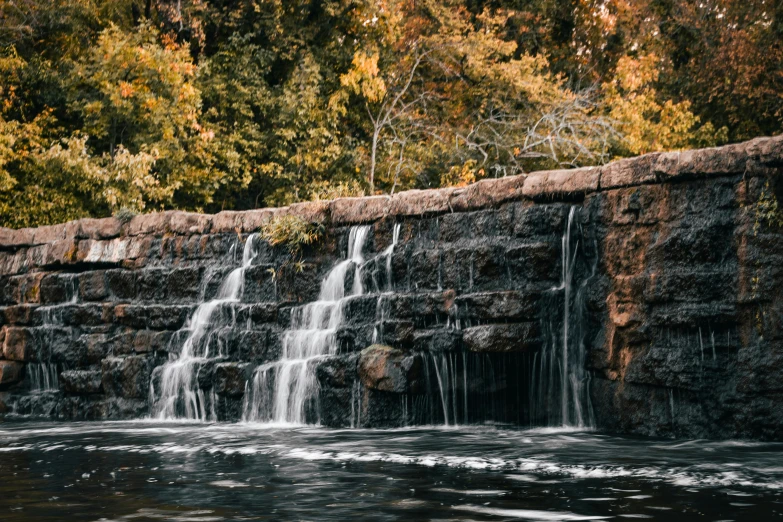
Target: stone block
{"points": [[513, 337], [531, 221], [487, 193], [188, 223], [93, 286], [81, 382], [425, 269], [337, 372], [230, 378], [19, 344], [351, 211], [384, 368], [49, 234], [552, 184], [95, 347], [420, 202], [360, 309], [151, 284], [20, 314], [91, 228], [81, 315], [311, 211], [184, 284], [227, 221], [10, 238], [58, 288], [156, 223], [729, 159], [150, 341], [629, 172], [496, 306], [251, 220], [127, 377], [10, 372], [168, 317], [397, 333], [437, 340], [121, 284], [538, 263]]}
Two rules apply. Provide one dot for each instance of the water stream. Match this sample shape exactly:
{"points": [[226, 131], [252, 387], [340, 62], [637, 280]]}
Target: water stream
{"points": [[148, 471], [179, 395], [285, 391]]}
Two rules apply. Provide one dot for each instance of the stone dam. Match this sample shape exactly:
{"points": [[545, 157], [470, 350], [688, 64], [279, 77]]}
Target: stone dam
{"points": [[641, 297]]}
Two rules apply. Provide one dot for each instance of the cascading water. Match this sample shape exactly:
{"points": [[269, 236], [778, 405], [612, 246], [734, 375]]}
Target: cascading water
{"points": [[179, 395], [43, 377], [284, 391], [559, 383]]}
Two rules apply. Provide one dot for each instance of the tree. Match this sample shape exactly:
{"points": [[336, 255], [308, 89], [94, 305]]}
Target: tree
{"points": [[136, 95]]}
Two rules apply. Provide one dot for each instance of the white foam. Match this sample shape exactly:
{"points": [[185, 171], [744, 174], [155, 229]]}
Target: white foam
{"points": [[528, 514]]}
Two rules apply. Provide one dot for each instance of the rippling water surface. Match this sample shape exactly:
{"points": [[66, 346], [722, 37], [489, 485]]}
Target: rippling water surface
{"points": [[202, 472]]}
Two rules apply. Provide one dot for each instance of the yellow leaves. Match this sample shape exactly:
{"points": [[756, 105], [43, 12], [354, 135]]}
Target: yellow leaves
{"points": [[461, 175], [646, 124], [633, 74], [187, 92], [363, 78]]}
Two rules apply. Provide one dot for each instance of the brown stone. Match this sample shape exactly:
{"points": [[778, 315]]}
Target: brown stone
{"points": [[514, 337], [384, 368], [629, 172], [487, 193], [311, 211], [49, 234], [60, 252], [730, 159], [105, 228], [350, 211], [226, 221], [156, 223], [420, 202], [19, 344], [149, 341], [768, 151], [11, 238], [250, 221], [187, 223], [553, 183], [10, 372], [111, 251]]}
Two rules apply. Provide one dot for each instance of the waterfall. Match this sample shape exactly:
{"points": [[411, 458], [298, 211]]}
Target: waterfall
{"points": [[179, 395], [284, 391], [43, 377], [559, 383]]}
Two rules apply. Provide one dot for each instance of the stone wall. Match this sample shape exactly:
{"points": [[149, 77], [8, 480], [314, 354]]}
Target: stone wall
{"points": [[677, 276]]}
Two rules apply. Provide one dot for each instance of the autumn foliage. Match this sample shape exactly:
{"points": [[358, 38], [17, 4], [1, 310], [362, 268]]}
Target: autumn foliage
{"points": [[141, 105]]}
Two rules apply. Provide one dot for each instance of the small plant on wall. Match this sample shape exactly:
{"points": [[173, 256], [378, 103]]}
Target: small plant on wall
{"points": [[294, 233]]}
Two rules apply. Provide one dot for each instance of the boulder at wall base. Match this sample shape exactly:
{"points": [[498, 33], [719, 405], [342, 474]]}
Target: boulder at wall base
{"points": [[10, 372], [127, 377], [19, 344], [230, 378], [388, 369], [81, 382], [514, 337]]}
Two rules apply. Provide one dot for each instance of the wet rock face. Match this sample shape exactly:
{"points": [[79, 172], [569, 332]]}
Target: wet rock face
{"points": [[672, 313], [387, 369]]}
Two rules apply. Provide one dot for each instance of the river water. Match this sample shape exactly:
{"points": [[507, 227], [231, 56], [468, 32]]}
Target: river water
{"points": [[143, 470]]}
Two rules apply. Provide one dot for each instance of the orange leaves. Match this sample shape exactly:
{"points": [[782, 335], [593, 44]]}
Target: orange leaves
{"points": [[126, 89]]}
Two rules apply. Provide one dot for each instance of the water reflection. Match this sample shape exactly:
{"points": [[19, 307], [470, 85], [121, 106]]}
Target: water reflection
{"points": [[197, 472]]}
